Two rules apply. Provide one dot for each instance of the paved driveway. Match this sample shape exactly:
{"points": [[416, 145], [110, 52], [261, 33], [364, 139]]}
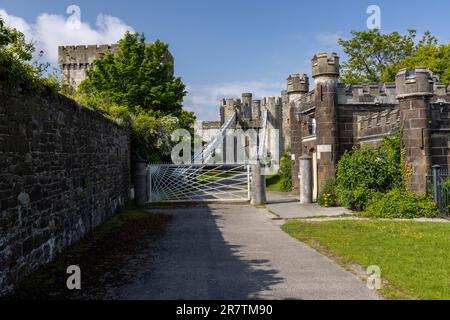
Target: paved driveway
{"points": [[235, 251]]}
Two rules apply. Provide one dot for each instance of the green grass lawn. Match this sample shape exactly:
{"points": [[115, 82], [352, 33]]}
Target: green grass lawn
{"points": [[414, 257]]}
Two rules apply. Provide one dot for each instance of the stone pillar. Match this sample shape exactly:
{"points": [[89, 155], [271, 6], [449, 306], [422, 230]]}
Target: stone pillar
{"points": [[414, 90], [140, 181], [326, 72], [258, 185], [305, 175]]}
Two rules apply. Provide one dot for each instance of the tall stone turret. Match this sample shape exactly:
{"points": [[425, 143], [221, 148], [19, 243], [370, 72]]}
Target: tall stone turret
{"points": [[256, 109], [414, 90], [229, 108], [74, 61], [297, 85], [247, 106], [325, 71]]}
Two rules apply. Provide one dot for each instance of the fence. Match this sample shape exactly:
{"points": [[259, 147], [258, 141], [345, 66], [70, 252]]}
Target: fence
{"points": [[438, 186]]}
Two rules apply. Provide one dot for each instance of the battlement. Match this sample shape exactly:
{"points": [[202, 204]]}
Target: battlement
{"points": [[379, 119], [298, 83], [415, 82], [367, 94], [81, 55], [324, 66]]}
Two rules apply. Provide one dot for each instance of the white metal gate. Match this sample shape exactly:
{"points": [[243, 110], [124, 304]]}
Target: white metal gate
{"points": [[198, 182]]}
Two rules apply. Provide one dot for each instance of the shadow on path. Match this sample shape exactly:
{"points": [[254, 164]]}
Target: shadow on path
{"points": [[192, 260]]}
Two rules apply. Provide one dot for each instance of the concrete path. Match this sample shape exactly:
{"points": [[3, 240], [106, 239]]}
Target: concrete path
{"points": [[287, 206], [234, 251]]}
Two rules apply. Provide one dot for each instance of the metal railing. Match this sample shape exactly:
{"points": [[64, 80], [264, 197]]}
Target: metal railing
{"points": [[438, 186], [198, 182]]}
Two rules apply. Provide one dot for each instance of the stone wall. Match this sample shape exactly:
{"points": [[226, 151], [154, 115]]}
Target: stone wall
{"points": [[63, 171]]}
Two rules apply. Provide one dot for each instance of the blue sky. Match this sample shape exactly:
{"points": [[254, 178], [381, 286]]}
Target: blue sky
{"points": [[225, 47]]}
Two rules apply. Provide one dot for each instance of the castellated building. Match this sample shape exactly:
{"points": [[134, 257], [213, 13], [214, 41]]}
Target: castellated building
{"points": [[323, 122], [74, 61]]}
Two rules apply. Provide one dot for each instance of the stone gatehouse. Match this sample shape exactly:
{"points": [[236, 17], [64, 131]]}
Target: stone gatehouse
{"points": [[334, 117]]}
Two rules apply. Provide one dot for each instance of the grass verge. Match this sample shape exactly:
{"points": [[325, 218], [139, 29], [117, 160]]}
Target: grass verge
{"points": [[413, 256], [101, 255]]}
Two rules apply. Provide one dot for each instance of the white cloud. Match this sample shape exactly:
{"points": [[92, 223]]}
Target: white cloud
{"points": [[204, 99], [52, 30]]}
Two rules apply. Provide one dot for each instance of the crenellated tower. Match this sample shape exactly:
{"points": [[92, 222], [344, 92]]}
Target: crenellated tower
{"points": [[296, 87], [325, 71], [74, 61], [414, 91]]}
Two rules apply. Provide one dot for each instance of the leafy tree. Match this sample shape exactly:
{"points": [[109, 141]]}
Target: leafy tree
{"points": [[434, 57], [371, 53], [16, 61], [138, 76]]}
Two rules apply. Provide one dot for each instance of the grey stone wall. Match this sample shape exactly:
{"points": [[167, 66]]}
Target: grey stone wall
{"points": [[63, 171]]}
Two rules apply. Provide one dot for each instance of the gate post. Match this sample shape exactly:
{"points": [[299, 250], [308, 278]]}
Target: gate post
{"points": [[258, 185], [140, 181], [437, 185], [305, 173]]}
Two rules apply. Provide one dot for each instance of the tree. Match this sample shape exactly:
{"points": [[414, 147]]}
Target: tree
{"points": [[371, 53], [17, 67], [136, 88], [139, 75], [436, 58]]}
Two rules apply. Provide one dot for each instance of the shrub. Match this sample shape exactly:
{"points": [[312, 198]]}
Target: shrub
{"points": [[358, 174], [399, 203], [285, 173], [328, 198], [364, 172]]}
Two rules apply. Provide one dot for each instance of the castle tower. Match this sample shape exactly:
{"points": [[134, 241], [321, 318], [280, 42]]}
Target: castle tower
{"points": [[297, 85], [74, 61], [325, 71], [256, 109], [414, 90], [229, 108], [246, 106]]}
